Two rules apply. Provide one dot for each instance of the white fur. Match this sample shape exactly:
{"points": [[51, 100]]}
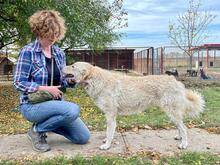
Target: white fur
{"points": [[117, 94]]}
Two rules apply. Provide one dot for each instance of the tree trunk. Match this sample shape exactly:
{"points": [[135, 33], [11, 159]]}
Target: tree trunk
{"points": [[190, 61]]}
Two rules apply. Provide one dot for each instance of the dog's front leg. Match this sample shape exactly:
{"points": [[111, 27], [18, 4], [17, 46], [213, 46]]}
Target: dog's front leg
{"points": [[111, 125]]}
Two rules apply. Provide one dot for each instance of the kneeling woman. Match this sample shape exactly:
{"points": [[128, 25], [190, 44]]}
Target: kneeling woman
{"points": [[33, 73]]}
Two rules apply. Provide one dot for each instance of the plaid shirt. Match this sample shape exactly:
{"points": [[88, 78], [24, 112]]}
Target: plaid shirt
{"points": [[31, 71]]}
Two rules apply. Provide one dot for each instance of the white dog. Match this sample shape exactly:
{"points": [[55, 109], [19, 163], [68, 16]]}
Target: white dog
{"points": [[117, 94]]}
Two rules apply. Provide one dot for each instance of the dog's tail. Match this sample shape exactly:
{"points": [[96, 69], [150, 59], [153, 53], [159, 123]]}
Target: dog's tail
{"points": [[195, 104]]}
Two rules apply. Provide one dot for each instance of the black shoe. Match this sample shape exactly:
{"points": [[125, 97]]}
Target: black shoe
{"points": [[38, 141]]}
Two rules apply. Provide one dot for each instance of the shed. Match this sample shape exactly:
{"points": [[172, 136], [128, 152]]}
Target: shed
{"points": [[210, 60], [115, 58], [7, 65]]}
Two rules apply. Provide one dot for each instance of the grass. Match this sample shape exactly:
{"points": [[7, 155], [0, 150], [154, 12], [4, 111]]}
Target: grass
{"points": [[192, 158], [12, 122], [210, 118], [189, 158], [212, 98], [152, 117]]}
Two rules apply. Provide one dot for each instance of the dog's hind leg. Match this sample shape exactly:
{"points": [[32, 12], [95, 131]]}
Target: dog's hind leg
{"points": [[183, 135], [178, 137], [177, 118], [111, 125], [182, 131]]}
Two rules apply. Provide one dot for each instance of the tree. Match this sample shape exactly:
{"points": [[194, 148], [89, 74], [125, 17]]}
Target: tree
{"points": [[14, 15], [190, 28], [90, 23]]}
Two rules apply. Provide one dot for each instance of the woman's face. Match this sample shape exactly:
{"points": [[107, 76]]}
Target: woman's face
{"points": [[49, 41]]}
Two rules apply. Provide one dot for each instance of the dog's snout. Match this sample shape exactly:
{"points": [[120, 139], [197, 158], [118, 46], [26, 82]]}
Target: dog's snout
{"points": [[66, 74], [69, 75]]}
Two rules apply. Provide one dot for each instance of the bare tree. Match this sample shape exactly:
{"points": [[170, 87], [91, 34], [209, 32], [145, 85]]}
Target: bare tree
{"points": [[190, 28]]}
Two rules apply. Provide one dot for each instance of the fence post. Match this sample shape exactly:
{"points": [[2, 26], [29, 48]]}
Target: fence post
{"points": [[152, 53]]}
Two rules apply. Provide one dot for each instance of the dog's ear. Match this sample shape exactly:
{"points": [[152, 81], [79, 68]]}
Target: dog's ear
{"points": [[87, 73]]}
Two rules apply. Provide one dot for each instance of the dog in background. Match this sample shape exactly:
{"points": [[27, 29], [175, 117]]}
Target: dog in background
{"points": [[173, 72], [117, 94]]}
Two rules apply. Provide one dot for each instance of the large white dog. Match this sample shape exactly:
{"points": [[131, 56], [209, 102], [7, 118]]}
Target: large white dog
{"points": [[117, 94]]}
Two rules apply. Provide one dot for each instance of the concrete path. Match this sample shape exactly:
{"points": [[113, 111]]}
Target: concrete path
{"points": [[162, 141]]}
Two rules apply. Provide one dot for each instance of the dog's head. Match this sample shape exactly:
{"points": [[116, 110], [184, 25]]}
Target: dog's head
{"points": [[79, 71]]}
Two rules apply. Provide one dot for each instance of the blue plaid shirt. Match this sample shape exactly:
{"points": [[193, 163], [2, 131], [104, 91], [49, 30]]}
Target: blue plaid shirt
{"points": [[31, 71]]}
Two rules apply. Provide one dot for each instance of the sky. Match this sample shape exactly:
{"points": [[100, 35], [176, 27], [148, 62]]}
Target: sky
{"points": [[148, 21]]}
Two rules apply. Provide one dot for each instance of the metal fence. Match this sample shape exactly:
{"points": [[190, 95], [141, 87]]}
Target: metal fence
{"points": [[170, 57], [144, 60]]}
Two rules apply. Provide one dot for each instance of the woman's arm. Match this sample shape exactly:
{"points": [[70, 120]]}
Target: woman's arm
{"points": [[69, 83], [22, 73]]}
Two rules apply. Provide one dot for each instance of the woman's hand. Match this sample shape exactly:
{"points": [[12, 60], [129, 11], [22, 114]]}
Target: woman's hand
{"points": [[57, 94]]}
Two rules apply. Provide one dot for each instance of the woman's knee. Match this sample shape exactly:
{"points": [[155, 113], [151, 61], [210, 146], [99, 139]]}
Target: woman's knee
{"points": [[72, 111], [82, 138], [85, 139]]}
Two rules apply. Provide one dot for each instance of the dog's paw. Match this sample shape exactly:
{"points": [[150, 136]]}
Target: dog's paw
{"points": [[182, 146], [104, 147]]}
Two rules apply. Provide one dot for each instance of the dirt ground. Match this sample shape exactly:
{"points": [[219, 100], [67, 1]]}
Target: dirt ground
{"points": [[160, 141]]}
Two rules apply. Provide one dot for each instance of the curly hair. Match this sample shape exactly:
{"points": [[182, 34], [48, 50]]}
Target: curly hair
{"points": [[47, 23]]}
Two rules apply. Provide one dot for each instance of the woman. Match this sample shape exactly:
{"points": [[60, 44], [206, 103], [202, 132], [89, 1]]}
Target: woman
{"points": [[33, 73]]}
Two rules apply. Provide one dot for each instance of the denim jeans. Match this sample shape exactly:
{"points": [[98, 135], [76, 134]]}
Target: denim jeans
{"points": [[60, 117]]}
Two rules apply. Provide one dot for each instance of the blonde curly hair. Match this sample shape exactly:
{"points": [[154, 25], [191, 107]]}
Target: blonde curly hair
{"points": [[47, 23]]}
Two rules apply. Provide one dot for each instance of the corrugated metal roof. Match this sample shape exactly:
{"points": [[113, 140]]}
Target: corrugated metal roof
{"points": [[207, 46]]}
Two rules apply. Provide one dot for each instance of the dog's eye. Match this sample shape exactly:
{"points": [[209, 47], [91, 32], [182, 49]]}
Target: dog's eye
{"points": [[72, 66]]}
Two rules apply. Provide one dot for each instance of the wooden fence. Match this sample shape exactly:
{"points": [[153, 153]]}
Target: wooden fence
{"points": [[6, 77]]}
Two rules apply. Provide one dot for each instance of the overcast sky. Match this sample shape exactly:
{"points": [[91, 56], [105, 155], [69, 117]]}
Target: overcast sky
{"points": [[148, 21]]}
